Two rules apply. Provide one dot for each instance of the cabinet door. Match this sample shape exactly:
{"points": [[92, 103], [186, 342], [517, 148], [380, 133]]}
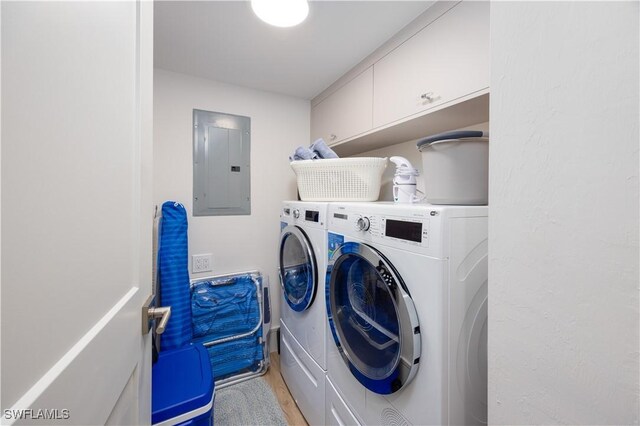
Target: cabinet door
{"points": [[346, 112], [446, 60]]}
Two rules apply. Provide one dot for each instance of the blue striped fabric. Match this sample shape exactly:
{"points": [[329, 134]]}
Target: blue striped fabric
{"points": [[173, 273], [226, 310], [236, 357]]}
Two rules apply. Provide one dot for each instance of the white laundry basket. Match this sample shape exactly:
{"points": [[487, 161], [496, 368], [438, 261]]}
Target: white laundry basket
{"points": [[339, 179], [456, 167]]}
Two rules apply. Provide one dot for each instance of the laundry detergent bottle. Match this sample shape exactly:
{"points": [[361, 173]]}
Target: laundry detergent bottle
{"points": [[404, 181]]}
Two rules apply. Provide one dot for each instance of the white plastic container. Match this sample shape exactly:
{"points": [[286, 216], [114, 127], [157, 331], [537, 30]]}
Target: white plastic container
{"points": [[456, 168], [339, 179], [405, 183]]}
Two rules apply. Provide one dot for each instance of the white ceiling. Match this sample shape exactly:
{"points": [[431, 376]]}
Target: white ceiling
{"points": [[225, 41]]}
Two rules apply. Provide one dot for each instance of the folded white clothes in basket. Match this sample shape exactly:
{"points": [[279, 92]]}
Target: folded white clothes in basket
{"points": [[318, 149]]}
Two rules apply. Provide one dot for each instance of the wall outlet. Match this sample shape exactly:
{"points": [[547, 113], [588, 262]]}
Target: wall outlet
{"points": [[201, 262]]}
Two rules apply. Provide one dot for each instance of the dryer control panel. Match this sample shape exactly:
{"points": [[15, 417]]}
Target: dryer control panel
{"points": [[408, 231], [416, 228], [304, 214], [405, 230]]}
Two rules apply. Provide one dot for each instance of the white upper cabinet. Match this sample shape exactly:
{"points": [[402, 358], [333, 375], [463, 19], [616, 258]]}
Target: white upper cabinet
{"points": [[445, 61], [345, 113]]}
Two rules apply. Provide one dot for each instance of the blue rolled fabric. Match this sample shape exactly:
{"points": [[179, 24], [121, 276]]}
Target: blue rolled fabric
{"points": [[321, 148], [302, 153], [173, 274]]}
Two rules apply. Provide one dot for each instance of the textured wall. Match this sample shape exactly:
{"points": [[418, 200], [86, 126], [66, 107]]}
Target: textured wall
{"points": [[563, 229], [278, 124]]}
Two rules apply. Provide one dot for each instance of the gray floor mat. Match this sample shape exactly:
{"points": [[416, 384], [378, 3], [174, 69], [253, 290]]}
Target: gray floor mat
{"points": [[247, 403]]}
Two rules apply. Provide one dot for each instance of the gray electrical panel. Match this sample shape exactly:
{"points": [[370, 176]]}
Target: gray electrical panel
{"points": [[221, 174]]}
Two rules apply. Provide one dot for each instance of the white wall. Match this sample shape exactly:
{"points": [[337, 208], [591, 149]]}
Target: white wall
{"points": [[278, 125], [563, 229], [409, 151]]}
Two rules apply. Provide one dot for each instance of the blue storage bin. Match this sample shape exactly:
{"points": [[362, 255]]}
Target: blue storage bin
{"points": [[182, 388]]}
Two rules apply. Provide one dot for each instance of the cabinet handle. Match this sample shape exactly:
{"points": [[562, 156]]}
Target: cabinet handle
{"points": [[332, 137], [427, 96]]}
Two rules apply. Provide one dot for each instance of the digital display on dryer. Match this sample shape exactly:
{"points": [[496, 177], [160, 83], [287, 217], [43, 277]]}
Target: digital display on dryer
{"points": [[312, 215], [410, 231]]}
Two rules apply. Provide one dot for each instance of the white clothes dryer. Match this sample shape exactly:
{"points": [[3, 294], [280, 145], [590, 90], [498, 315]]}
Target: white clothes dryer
{"points": [[406, 295], [303, 320]]}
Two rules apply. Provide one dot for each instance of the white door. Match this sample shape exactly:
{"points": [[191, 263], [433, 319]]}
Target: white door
{"points": [[76, 211]]}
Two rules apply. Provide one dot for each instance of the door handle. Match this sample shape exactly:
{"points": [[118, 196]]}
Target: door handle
{"points": [[149, 314], [162, 312]]}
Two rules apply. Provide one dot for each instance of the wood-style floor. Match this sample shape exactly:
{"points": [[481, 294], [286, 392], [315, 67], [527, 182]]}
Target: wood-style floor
{"points": [[291, 411]]}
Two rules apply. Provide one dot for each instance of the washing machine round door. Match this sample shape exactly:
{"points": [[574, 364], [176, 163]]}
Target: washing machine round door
{"points": [[298, 272], [372, 317]]}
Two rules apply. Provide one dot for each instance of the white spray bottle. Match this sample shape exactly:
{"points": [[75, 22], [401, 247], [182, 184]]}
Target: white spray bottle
{"points": [[404, 181]]}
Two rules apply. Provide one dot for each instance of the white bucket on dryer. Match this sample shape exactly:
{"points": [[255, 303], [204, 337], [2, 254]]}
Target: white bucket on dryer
{"points": [[456, 167]]}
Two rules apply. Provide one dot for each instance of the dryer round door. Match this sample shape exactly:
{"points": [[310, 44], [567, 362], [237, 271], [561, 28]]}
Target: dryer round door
{"points": [[372, 317], [298, 271]]}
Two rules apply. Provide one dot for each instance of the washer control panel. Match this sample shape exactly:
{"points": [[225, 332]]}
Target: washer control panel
{"points": [[403, 230]]}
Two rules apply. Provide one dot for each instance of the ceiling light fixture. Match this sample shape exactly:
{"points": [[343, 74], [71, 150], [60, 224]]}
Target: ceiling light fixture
{"points": [[281, 13]]}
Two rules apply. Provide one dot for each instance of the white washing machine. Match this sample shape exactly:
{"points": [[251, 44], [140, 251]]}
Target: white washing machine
{"points": [[406, 291], [303, 320]]}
